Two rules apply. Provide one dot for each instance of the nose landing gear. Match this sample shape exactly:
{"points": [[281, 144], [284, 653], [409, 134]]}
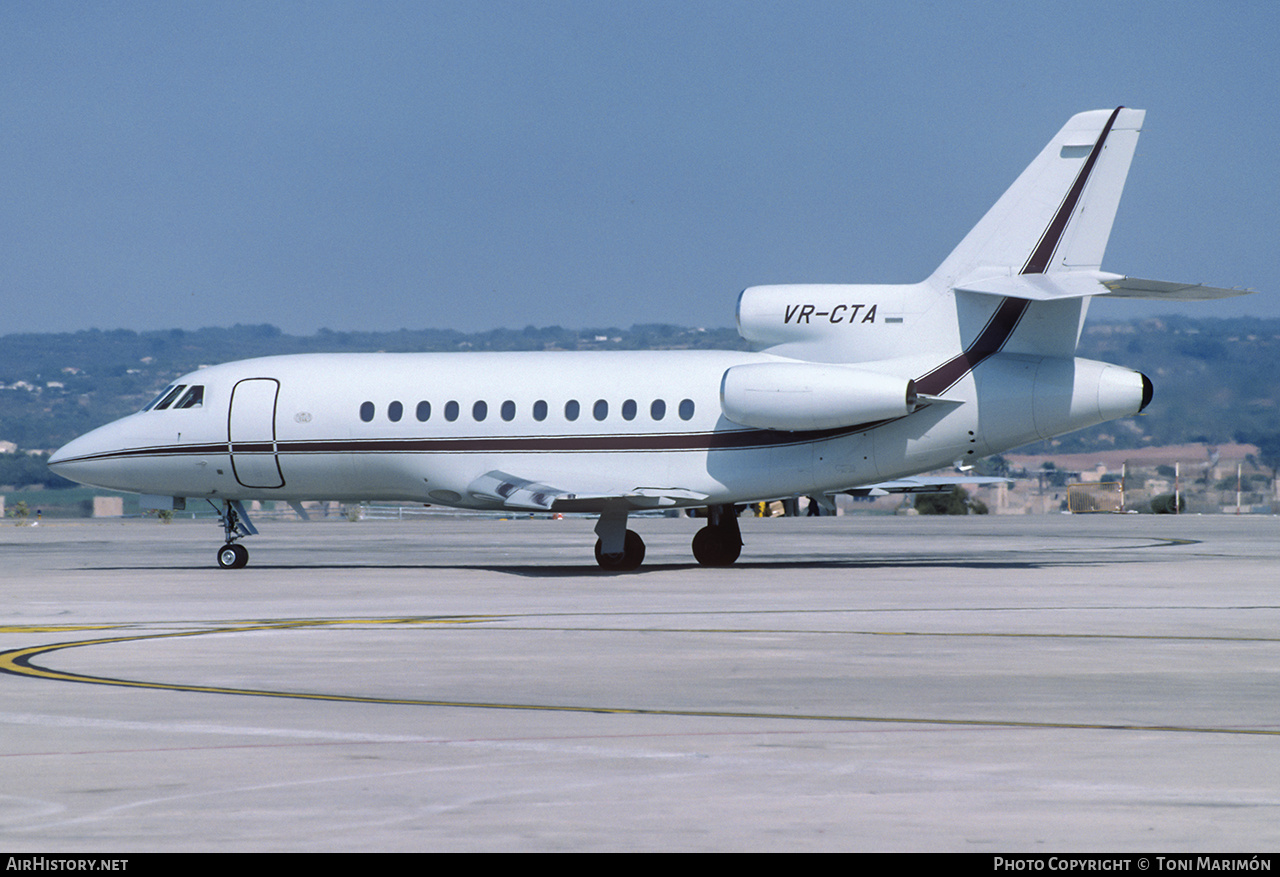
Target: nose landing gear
{"points": [[233, 556], [235, 525]]}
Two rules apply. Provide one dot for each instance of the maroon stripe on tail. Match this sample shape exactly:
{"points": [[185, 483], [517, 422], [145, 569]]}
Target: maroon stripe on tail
{"points": [[1052, 236], [1009, 313], [993, 337]]}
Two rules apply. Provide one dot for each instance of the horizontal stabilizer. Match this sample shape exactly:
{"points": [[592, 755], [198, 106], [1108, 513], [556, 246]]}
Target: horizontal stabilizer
{"points": [[1133, 287], [1042, 287], [1079, 284]]}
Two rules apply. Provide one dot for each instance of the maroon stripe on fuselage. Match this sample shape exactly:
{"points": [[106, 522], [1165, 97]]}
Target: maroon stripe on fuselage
{"points": [[725, 440]]}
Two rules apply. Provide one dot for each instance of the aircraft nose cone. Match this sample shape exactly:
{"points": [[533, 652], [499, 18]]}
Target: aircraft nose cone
{"points": [[58, 457], [93, 458], [70, 460]]}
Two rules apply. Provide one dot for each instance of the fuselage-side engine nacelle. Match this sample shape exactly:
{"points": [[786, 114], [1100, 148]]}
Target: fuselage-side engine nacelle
{"points": [[796, 396]]}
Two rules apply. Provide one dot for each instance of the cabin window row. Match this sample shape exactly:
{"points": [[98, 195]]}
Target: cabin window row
{"points": [[629, 409]]}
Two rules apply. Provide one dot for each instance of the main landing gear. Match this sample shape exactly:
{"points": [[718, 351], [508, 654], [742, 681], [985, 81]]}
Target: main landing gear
{"points": [[631, 556], [720, 542], [618, 549], [235, 525], [621, 550]]}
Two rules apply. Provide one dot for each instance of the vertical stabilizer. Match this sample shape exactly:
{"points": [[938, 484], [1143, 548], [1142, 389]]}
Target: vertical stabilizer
{"points": [[1057, 215]]}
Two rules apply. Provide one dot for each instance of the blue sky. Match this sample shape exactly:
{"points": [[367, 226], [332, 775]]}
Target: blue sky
{"points": [[479, 164]]}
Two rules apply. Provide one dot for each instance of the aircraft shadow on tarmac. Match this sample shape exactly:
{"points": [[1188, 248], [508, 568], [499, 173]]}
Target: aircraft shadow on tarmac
{"points": [[592, 571], [790, 566]]}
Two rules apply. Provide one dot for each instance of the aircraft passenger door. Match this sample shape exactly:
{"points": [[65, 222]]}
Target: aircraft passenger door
{"points": [[251, 433]]}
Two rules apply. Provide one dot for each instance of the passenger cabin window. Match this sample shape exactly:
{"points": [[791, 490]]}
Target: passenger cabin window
{"points": [[194, 398]]}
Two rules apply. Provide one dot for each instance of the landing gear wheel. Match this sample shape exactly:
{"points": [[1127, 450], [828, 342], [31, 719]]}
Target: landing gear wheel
{"points": [[233, 556], [716, 546], [631, 557]]}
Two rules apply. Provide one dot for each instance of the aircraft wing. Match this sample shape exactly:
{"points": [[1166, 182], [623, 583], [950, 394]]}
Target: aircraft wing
{"points": [[514, 492], [1079, 284], [934, 484]]}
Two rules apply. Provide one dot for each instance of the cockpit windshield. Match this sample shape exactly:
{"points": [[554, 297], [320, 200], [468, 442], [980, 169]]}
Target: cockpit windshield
{"points": [[169, 397], [193, 398], [164, 394]]}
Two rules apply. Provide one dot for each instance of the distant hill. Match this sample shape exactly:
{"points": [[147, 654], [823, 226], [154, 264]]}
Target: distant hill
{"points": [[1215, 380]]}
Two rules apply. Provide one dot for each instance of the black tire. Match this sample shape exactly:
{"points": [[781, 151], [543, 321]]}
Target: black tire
{"points": [[631, 557], [714, 546], [233, 556]]}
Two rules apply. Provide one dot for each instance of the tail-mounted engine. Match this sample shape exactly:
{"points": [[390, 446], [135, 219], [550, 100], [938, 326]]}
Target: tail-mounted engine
{"points": [[797, 396]]}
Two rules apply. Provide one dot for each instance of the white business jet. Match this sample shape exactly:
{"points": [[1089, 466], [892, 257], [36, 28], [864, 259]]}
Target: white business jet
{"points": [[851, 389]]}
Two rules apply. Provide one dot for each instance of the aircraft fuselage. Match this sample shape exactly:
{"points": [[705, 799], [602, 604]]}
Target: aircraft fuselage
{"points": [[423, 427]]}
